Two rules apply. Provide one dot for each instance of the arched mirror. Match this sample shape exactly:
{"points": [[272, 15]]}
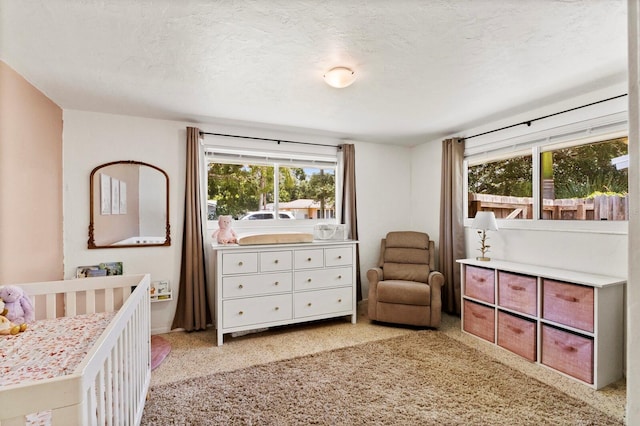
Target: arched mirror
{"points": [[129, 206]]}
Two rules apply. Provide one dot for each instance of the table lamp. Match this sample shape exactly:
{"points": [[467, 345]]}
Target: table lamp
{"points": [[483, 222]]}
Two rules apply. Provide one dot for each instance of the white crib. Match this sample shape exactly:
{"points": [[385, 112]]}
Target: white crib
{"points": [[109, 386]]}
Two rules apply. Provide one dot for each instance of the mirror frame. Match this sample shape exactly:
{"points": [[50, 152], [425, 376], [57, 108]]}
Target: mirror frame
{"points": [[91, 242]]}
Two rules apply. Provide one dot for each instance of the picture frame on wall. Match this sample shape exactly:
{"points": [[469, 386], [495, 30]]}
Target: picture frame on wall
{"points": [[105, 194]]}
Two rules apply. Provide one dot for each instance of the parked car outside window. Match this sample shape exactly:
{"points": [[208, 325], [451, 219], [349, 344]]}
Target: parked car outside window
{"points": [[266, 215]]}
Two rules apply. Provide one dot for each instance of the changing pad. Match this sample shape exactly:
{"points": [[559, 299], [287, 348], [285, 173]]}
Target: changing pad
{"points": [[275, 238]]}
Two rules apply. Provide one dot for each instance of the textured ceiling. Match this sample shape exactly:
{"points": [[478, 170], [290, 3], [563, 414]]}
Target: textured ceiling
{"points": [[425, 68]]}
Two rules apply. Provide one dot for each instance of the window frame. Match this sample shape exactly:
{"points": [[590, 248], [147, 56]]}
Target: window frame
{"points": [[601, 129], [321, 155]]}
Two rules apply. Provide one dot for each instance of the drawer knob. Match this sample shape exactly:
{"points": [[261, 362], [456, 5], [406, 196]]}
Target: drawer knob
{"points": [[240, 286], [308, 259], [517, 287], [276, 283], [339, 300], [275, 261], [339, 277], [308, 280], [277, 308], [339, 257], [240, 313], [240, 263], [309, 304]]}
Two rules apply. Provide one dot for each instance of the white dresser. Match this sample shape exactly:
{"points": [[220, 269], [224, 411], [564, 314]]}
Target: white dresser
{"points": [[269, 285]]}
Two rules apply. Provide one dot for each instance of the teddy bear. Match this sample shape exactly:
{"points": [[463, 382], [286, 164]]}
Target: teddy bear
{"points": [[6, 326], [224, 234], [3, 309], [18, 305]]}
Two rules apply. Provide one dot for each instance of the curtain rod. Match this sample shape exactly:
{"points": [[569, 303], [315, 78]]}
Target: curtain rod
{"points": [[269, 139], [528, 122]]}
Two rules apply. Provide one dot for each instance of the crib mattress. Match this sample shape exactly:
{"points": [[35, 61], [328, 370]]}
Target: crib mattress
{"points": [[49, 348]]}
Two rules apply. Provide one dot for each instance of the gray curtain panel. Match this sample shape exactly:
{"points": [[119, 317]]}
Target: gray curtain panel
{"points": [[192, 312], [349, 210], [451, 244]]}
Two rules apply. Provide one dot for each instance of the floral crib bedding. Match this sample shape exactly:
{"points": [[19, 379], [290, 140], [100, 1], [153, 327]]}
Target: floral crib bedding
{"points": [[49, 348]]}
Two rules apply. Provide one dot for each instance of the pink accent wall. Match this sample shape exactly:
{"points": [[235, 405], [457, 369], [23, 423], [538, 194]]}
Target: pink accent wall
{"points": [[31, 246]]}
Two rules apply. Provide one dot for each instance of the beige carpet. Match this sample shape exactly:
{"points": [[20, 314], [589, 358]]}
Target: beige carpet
{"points": [[424, 377]]}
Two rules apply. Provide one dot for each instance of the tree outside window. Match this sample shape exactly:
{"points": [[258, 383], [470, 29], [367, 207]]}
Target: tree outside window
{"points": [[578, 182], [303, 192]]}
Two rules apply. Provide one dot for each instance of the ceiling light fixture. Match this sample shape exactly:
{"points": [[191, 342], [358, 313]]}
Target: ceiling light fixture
{"points": [[340, 77]]}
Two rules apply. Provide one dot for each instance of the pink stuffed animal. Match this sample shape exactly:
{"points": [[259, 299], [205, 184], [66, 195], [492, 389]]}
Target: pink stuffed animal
{"points": [[18, 305], [224, 234]]}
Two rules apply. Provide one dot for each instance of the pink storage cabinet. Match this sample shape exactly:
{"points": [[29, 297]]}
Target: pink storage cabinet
{"points": [[568, 321]]}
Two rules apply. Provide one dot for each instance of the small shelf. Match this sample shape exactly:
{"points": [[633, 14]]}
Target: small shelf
{"points": [[162, 297]]}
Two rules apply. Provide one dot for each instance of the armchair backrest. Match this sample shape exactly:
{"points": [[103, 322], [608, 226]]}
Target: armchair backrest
{"points": [[407, 255]]}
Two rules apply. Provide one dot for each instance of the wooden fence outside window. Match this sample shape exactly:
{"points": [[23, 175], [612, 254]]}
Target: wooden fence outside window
{"points": [[600, 207]]}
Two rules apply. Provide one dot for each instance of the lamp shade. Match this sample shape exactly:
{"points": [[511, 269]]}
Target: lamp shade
{"points": [[339, 77], [485, 221]]}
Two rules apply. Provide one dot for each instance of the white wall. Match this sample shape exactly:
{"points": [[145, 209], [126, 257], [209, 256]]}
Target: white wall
{"points": [[90, 139], [382, 176], [383, 180], [426, 166]]}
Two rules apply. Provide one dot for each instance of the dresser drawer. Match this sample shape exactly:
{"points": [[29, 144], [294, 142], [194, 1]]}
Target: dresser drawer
{"points": [[322, 278], [567, 352], [239, 263], [276, 261], [338, 256], [258, 310], [479, 320], [518, 292], [252, 285], [517, 335], [479, 283], [568, 304], [309, 259], [320, 302]]}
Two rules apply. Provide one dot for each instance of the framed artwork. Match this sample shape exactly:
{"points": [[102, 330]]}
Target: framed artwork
{"points": [[90, 271], [101, 270], [112, 268], [162, 287], [105, 194], [115, 196], [123, 197]]}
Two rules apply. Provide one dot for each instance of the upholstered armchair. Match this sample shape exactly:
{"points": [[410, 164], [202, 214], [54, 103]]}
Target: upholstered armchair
{"points": [[405, 288]]}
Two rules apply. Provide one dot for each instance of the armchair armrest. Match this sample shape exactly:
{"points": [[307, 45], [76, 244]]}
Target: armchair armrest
{"points": [[436, 279], [374, 275]]}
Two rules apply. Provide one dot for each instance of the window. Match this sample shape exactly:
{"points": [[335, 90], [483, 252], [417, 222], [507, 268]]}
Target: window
{"points": [[575, 180], [583, 182], [244, 185], [504, 186]]}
